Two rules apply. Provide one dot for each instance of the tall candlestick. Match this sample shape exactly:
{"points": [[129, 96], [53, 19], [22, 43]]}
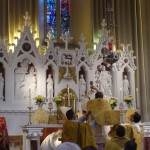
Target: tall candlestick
{"points": [[29, 97]]}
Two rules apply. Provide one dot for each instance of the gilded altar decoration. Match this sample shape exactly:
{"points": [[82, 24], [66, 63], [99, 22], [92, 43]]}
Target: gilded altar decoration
{"points": [[62, 71], [113, 102], [72, 71], [128, 100], [40, 100]]}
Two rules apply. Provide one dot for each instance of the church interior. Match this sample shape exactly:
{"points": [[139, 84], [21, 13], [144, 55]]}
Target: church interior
{"points": [[60, 53]]}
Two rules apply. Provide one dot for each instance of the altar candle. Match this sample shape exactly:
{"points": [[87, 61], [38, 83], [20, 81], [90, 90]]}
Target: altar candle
{"points": [[68, 97], [123, 47], [121, 93], [114, 48], [137, 97], [29, 97], [50, 93], [74, 104]]}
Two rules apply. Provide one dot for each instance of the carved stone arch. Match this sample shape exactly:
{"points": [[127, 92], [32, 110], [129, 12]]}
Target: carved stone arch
{"points": [[50, 70], [72, 99], [82, 71]]}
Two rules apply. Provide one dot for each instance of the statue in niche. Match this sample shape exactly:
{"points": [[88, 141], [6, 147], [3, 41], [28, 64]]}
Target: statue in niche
{"points": [[1, 86], [50, 83], [105, 82], [31, 82], [97, 74], [20, 74], [82, 87], [125, 86]]}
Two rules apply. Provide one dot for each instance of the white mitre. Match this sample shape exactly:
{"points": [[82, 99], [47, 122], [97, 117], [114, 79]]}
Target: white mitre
{"points": [[64, 109]]}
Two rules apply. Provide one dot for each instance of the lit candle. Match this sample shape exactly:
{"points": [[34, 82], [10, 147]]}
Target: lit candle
{"points": [[114, 48], [29, 97], [123, 47]]}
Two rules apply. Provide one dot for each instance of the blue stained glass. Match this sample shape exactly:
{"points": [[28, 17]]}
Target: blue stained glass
{"points": [[65, 16], [51, 16]]}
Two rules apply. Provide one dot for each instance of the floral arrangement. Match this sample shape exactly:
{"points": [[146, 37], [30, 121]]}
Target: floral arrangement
{"points": [[40, 100], [58, 100], [128, 99], [113, 102]]}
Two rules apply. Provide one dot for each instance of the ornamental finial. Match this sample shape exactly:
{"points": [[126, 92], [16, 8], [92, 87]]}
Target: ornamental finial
{"points": [[26, 18]]}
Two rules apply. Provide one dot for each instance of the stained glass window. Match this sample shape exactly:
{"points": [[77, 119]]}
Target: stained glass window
{"points": [[65, 16], [51, 16]]}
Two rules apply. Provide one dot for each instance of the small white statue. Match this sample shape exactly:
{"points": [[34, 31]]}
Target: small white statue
{"points": [[20, 75], [31, 82], [1, 86], [125, 86], [49, 86], [105, 82], [82, 87]]}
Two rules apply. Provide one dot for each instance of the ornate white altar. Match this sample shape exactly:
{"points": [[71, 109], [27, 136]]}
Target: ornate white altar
{"points": [[33, 132], [26, 67]]}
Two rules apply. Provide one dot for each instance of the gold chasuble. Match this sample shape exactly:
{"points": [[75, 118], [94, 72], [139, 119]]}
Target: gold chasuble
{"points": [[132, 133], [102, 112], [79, 133], [116, 143]]}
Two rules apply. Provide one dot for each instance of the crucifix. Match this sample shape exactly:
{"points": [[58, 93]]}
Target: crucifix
{"points": [[66, 38]]}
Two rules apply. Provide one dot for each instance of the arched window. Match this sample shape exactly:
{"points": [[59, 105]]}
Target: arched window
{"points": [[57, 18]]}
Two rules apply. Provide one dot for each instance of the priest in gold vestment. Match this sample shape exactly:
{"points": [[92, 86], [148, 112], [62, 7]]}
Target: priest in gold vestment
{"points": [[102, 115], [133, 130], [119, 139], [76, 131]]}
